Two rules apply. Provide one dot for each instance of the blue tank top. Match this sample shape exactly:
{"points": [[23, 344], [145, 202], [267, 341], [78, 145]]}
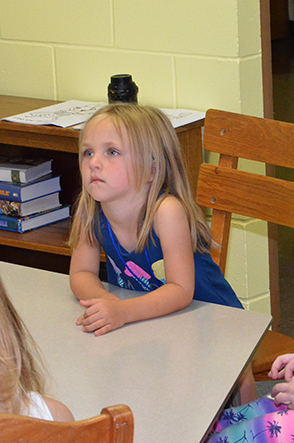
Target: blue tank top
{"points": [[145, 271]]}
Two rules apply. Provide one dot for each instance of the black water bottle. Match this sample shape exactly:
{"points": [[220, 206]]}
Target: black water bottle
{"points": [[122, 89]]}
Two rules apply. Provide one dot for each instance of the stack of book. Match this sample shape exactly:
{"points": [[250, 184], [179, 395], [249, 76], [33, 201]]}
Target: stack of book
{"points": [[29, 194]]}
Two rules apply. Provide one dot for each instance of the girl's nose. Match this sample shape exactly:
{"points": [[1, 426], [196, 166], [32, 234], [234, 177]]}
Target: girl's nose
{"points": [[96, 162]]}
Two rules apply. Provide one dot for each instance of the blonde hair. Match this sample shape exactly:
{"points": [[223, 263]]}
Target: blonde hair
{"points": [[156, 152], [19, 374]]}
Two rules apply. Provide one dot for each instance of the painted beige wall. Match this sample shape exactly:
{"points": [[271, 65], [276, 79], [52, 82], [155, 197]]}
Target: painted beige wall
{"points": [[192, 54]]}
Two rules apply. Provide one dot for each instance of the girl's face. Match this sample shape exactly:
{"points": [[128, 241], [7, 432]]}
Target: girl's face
{"points": [[106, 164]]}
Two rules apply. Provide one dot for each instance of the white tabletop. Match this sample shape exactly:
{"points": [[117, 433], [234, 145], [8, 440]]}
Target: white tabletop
{"points": [[175, 372]]}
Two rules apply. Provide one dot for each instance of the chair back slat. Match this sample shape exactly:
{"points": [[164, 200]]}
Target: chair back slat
{"points": [[113, 425], [253, 138], [248, 194]]}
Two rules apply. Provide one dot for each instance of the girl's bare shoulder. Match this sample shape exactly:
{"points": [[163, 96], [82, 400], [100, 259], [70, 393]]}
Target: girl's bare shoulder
{"points": [[170, 211], [59, 411], [170, 205]]}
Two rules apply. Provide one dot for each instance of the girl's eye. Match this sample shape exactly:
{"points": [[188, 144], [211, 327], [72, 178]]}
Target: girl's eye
{"points": [[88, 153], [112, 152]]}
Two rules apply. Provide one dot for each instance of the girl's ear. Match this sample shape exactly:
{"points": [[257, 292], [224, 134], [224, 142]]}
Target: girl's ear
{"points": [[153, 170]]}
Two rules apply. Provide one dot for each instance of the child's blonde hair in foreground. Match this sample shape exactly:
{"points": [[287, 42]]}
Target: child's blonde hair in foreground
{"points": [[156, 153], [18, 372]]}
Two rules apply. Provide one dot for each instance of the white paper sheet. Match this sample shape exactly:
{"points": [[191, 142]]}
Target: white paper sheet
{"points": [[180, 117], [64, 114], [76, 112]]}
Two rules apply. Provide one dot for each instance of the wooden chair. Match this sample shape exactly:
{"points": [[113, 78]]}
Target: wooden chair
{"points": [[113, 425], [227, 190]]}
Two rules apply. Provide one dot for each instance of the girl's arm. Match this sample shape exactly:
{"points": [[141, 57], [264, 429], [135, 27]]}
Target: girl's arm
{"points": [[172, 227], [84, 273]]}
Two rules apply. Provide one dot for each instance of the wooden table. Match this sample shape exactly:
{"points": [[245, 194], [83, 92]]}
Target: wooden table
{"points": [[175, 372]]}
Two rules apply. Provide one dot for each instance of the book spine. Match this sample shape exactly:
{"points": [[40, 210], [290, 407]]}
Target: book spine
{"points": [[8, 191], [10, 224]]}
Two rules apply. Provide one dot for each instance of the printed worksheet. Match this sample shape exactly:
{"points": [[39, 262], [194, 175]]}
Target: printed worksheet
{"points": [[180, 117], [64, 114], [75, 113]]}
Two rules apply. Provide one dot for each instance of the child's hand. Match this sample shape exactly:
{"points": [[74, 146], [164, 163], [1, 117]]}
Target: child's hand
{"points": [[283, 393], [102, 315], [282, 367]]}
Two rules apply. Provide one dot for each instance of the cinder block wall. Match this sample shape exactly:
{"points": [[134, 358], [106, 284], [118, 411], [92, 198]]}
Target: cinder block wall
{"points": [[193, 53]]}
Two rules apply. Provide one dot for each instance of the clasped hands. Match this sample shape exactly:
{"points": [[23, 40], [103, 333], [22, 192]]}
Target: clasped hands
{"points": [[102, 315], [283, 367]]}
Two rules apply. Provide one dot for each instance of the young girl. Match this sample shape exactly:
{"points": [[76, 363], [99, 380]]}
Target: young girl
{"points": [[268, 419], [137, 205], [21, 384]]}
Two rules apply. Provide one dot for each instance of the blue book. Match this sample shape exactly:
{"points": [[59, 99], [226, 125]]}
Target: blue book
{"points": [[24, 192], [23, 224]]}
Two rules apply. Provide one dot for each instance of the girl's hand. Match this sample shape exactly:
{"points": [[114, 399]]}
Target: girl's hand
{"points": [[283, 393], [282, 367], [102, 315]]}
